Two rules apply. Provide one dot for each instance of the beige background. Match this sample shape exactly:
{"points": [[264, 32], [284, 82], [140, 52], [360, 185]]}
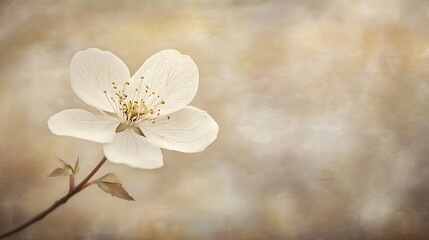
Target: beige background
{"points": [[322, 106]]}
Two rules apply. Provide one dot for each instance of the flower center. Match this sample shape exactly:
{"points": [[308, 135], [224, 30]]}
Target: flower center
{"points": [[134, 109]]}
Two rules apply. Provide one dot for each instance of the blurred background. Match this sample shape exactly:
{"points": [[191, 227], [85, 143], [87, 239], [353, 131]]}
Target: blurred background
{"points": [[323, 108]]}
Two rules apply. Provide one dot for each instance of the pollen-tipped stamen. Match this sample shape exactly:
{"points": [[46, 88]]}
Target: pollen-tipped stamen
{"points": [[135, 110]]}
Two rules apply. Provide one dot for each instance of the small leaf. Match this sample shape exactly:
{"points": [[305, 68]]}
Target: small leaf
{"points": [[115, 189], [66, 165], [76, 166], [110, 178], [60, 172], [110, 183]]}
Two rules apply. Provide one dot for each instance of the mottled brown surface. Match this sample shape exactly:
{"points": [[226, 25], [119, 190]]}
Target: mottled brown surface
{"points": [[323, 108]]}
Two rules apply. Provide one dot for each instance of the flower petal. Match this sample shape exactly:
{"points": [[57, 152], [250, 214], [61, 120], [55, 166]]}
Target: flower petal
{"points": [[188, 130], [133, 150], [92, 72], [171, 76], [84, 125]]}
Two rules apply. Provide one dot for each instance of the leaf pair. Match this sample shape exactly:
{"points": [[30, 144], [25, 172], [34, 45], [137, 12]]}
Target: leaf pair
{"points": [[66, 170]]}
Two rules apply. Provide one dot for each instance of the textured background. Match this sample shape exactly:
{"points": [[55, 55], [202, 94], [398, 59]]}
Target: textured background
{"points": [[322, 106]]}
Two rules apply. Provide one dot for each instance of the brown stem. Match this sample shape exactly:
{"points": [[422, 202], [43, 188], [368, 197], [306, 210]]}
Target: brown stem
{"points": [[71, 182], [58, 203]]}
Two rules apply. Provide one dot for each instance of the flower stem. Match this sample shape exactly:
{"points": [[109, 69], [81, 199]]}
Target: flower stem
{"points": [[58, 203]]}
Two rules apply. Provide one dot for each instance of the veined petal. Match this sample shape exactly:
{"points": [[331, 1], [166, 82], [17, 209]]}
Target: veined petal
{"points": [[84, 125], [188, 130], [168, 76], [133, 150], [92, 72]]}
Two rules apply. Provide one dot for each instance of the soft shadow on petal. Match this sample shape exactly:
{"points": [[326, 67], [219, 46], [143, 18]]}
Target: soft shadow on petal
{"points": [[188, 130], [84, 125], [172, 76], [133, 150], [92, 72]]}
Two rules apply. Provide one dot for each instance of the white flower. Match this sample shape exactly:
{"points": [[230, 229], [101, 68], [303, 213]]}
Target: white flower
{"points": [[138, 115]]}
